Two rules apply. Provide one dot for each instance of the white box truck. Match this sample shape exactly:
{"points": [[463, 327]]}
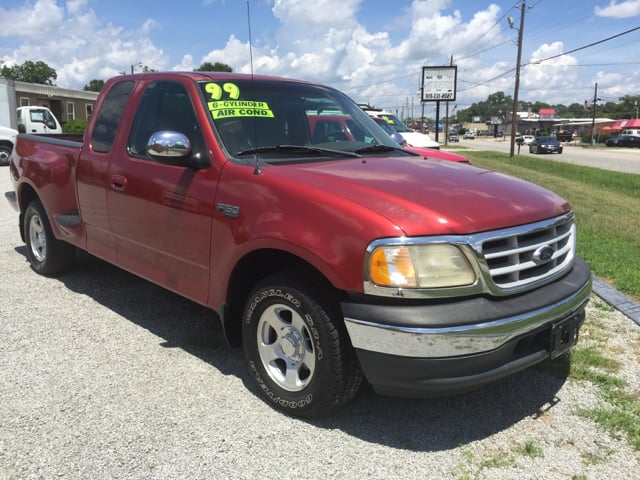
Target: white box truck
{"points": [[28, 119]]}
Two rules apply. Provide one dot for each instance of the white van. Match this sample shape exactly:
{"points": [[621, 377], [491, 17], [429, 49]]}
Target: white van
{"points": [[37, 120], [631, 131]]}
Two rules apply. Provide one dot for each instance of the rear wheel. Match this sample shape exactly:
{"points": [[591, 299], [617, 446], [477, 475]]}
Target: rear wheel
{"points": [[5, 154], [46, 254], [297, 348]]}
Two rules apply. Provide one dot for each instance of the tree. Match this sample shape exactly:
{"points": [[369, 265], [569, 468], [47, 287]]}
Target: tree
{"points": [[497, 104], [79, 125], [31, 72], [214, 67], [94, 86]]}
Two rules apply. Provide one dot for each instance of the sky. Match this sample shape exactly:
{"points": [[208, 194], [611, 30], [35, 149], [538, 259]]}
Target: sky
{"points": [[373, 50]]}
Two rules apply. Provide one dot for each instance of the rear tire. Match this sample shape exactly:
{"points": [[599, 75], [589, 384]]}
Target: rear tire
{"points": [[46, 254], [5, 154], [297, 348]]}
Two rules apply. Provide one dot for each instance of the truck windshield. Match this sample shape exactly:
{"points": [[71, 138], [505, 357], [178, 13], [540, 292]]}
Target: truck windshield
{"points": [[395, 123], [262, 116]]}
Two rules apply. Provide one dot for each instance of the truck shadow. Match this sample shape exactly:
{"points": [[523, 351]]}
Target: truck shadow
{"points": [[435, 424], [445, 423]]}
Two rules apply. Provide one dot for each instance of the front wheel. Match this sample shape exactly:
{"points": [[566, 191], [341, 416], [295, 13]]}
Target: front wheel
{"points": [[297, 348], [46, 254], [5, 154]]}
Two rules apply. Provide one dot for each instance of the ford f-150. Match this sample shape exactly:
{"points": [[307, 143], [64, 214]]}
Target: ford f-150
{"points": [[330, 259]]}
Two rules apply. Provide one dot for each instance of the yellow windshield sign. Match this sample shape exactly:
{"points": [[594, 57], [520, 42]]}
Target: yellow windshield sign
{"points": [[239, 108]]}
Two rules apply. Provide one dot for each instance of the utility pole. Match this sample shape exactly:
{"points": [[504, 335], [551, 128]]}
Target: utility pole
{"points": [[446, 119], [514, 116], [593, 121]]}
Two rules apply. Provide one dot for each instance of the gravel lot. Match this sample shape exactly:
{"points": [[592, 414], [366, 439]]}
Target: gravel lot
{"points": [[105, 376]]}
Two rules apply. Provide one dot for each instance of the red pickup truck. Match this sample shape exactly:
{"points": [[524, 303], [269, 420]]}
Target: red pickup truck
{"points": [[329, 259]]}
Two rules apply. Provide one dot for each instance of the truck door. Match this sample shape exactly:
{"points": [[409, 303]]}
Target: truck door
{"points": [[92, 180], [161, 213]]}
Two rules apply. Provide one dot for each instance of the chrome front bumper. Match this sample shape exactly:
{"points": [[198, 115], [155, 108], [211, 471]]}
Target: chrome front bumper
{"points": [[453, 335]]}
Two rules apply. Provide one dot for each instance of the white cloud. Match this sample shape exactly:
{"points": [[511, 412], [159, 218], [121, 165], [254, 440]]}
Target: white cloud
{"points": [[40, 19], [325, 41], [235, 54], [548, 79], [624, 9], [185, 65], [77, 45]]}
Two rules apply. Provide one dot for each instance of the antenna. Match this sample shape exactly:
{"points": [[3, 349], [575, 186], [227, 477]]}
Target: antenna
{"points": [[257, 170], [250, 41]]}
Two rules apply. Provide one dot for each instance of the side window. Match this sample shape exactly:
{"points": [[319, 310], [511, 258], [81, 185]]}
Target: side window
{"points": [[71, 111], [165, 105], [104, 131]]}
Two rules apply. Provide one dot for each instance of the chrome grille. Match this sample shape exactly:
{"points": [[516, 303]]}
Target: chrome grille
{"points": [[514, 259]]}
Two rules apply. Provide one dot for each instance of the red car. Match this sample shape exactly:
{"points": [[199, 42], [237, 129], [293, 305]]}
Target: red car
{"points": [[431, 153], [342, 127]]}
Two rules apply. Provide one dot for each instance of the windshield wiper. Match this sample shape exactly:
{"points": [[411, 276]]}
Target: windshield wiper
{"points": [[377, 149], [298, 150]]}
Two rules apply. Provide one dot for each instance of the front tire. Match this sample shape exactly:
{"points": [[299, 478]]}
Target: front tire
{"points": [[297, 348], [46, 254], [5, 154]]}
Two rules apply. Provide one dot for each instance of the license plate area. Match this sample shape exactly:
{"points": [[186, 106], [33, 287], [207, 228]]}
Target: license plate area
{"points": [[564, 335]]}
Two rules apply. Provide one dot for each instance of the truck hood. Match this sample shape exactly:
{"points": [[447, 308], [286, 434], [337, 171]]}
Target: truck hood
{"points": [[417, 139], [8, 133], [429, 198]]}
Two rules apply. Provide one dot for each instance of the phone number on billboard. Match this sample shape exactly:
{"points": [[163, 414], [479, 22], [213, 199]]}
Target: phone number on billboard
{"points": [[439, 96]]}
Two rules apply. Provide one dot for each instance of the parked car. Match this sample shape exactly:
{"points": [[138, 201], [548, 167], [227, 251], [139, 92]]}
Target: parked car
{"points": [[545, 145], [624, 141], [469, 136], [564, 136], [344, 128], [390, 130], [436, 154], [7, 141], [413, 138], [526, 139], [453, 137], [631, 131]]}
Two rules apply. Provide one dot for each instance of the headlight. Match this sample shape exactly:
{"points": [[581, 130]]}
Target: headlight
{"points": [[420, 266]]}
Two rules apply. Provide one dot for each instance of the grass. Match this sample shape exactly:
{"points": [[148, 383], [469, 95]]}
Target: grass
{"points": [[529, 449], [606, 204], [607, 208], [620, 411], [475, 466]]}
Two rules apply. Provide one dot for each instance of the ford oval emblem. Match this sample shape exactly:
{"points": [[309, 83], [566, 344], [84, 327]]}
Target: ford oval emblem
{"points": [[543, 254]]}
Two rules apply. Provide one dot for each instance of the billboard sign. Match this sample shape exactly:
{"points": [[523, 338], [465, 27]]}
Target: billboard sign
{"points": [[439, 83]]}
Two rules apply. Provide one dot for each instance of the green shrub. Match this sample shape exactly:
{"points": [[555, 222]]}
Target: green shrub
{"points": [[75, 126]]}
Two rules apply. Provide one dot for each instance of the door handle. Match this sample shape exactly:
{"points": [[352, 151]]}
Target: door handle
{"points": [[118, 182]]}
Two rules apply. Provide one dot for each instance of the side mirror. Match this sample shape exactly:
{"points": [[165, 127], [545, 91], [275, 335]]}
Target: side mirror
{"points": [[174, 148], [169, 144], [399, 139], [22, 128]]}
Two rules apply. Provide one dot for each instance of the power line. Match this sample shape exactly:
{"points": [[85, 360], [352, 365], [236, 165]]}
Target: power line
{"points": [[583, 47]]}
